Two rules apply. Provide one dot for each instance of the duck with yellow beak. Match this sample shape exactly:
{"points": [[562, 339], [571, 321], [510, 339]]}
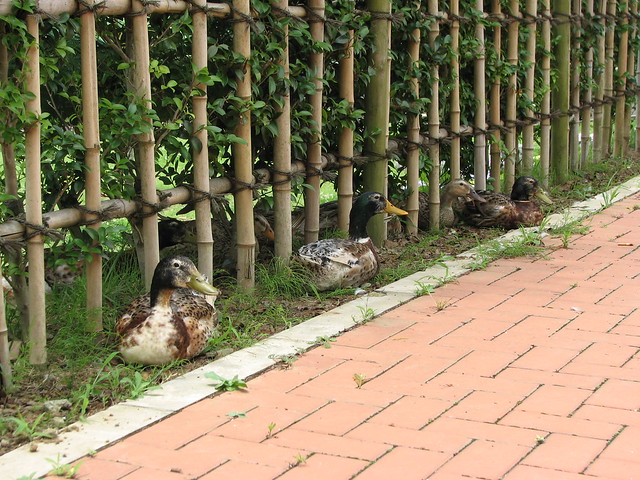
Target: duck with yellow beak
{"points": [[339, 262]]}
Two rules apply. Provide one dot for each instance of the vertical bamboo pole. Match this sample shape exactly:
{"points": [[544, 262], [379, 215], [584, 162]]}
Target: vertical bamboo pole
{"points": [[433, 117], [560, 94], [529, 86], [598, 111], [146, 140], [35, 242], [585, 135], [5, 361], [413, 135], [8, 153], [377, 109], [314, 149], [454, 97], [200, 154], [92, 158], [574, 90], [510, 113], [480, 120], [545, 66], [345, 142], [494, 102], [608, 80], [282, 158], [619, 147], [631, 68], [246, 237]]}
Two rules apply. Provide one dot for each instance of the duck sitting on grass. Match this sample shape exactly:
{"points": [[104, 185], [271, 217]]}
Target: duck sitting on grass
{"points": [[339, 262], [499, 210], [451, 192], [172, 321]]}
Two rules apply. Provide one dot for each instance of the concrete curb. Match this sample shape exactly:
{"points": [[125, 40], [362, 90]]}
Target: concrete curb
{"points": [[126, 418]]}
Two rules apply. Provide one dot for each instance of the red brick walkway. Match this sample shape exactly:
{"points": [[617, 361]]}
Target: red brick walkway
{"points": [[530, 371]]}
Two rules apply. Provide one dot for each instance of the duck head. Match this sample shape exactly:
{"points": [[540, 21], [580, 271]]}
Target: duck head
{"points": [[179, 272], [526, 188], [366, 206]]}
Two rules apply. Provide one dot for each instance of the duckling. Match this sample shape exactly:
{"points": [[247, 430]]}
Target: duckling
{"points": [[450, 193], [498, 210], [172, 321], [339, 262]]}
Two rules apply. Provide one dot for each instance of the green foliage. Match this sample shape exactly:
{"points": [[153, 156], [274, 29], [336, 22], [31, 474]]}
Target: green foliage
{"points": [[225, 384]]}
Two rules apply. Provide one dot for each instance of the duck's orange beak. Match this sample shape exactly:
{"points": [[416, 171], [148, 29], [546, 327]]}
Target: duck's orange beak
{"points": [[391, 208]]}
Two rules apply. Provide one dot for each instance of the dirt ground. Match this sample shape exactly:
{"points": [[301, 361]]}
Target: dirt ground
{"points": [[26, 402]]}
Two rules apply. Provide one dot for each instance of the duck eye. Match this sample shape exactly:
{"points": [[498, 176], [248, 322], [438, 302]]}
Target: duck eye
{"points": [[176, 264]]}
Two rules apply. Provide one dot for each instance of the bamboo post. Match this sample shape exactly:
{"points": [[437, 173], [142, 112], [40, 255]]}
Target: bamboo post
{"points": [[494, 101], [608, 80], [8, 153], [586, 117], [92, 158], [619, 147], [5, 360], [545, 108], [560, 94], [480, 92], [454, 97], [345, 142], [145, 141], [413, 135], [35, 241], [574, 90], [200, 153], [510, 112], [282, 157], [631, 68], [243, 160], [433, 117], [377, 109], [314, 149], [598, 110], [529, 87]]}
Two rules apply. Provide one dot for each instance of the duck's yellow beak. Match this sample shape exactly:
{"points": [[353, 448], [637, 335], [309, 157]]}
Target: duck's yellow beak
{"points": [[199, 284], [542, 196], [391, 208]]}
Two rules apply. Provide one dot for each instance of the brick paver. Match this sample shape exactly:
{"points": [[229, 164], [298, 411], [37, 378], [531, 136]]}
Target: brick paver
{"points": [[530, 371]]}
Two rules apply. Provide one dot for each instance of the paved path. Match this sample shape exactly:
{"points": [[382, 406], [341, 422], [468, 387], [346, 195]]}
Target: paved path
{"points": [[528, 369]]}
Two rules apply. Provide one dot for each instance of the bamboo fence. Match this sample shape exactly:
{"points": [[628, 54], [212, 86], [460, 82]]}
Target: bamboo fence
{"points": [[570, 120]]}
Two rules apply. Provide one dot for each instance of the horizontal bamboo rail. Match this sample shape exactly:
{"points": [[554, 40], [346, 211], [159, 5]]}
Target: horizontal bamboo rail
{"points": [[55, 8]]}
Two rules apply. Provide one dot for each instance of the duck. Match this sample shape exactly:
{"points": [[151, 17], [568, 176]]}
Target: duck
{"points": [[173, 321], [501, 211], [347, 262], [453, 190]]}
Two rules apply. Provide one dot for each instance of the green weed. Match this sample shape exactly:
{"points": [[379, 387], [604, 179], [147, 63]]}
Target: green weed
{"points": [[225, 384]]}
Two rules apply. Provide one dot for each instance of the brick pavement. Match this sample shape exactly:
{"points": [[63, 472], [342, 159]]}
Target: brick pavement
{"points": [[530, 371]]}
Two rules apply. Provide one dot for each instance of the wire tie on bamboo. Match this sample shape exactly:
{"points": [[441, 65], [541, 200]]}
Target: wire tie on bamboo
{"points": [[313, 17], [11, 245], [97, 215], [195, 7], [243, 18], [84, 7], [239, 185], [196, 195], [395, 18], [43, 230], [144, 10]]}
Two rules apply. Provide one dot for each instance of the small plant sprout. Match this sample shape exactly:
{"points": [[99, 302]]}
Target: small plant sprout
{"points": [[284, 361], [235, 414], [424, 289], [227, 385], [366, 314], [324, 341], [30, 431], [360, 379], [539, 440], [270, 429], [442, 303], [61, 470], [299, 459]]}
